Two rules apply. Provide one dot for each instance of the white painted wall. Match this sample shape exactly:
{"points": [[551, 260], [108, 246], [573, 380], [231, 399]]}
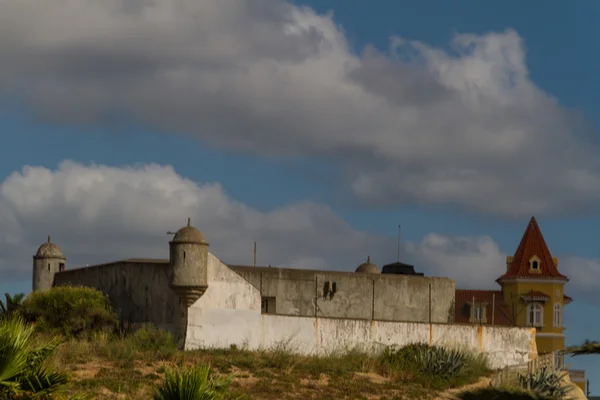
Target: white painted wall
{"points": [[229, 314]]}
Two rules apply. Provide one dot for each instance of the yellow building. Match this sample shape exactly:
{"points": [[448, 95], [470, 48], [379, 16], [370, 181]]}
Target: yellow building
{"points": [[532, 294]]}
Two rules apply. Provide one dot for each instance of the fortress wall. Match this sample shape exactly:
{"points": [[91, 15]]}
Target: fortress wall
{"points": [[358, 296], [229, 313], [138, 290], [504, 346]]}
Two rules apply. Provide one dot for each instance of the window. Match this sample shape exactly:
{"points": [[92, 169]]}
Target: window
{"points": [[478, 313], [61, 267], [557, 315], [534, 314], [535, 265], [267, 305], [48, 266], [558, 359]]}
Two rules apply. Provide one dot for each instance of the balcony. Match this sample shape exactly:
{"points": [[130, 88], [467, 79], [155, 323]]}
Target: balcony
{"points": [[577, 375]]}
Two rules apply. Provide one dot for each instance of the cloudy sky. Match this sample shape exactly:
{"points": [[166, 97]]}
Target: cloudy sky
{"points": [[312, 128]]}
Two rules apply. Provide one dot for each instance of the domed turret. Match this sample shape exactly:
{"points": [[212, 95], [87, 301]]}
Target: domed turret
{"points": [[188, 260], [48, 260], [368, 268]]}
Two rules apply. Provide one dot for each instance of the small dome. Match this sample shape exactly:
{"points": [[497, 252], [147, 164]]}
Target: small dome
{"points": [[368, 267], [189, 234], [50, 250]]}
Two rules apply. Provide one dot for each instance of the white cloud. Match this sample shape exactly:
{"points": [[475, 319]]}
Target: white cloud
{"points": [[98, 213], [474, 262], [414, 124]]}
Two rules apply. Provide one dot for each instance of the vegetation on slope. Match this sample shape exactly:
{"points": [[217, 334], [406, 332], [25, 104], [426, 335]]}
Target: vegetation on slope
{"points": [[104, 362], [24, 369], [69, 311]]}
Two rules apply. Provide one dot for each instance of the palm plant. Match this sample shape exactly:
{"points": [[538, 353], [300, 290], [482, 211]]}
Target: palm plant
{"points": [[196, 383], [586, 348], [12, 303], [23, 361]]}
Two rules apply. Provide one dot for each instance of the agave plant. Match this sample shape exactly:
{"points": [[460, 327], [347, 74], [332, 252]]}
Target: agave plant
{"points": [[23, 363], [440, 362], [196, 383], [546, 382]]}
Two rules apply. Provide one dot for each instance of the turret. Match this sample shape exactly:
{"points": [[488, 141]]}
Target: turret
{"points": [[48, 260], [188, 260]]}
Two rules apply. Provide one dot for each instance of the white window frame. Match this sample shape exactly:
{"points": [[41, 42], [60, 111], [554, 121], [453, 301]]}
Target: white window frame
{"points": [[558, 315], [535, 310], [558, 360], [478, 313]]}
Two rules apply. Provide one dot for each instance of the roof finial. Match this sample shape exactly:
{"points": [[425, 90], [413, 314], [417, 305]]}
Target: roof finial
{"points": [[369, 259], [48, 238], [189, 221]]}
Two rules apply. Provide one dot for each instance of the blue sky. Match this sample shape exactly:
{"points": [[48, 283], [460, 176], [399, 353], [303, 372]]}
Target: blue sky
{"points": [[297, 172]]}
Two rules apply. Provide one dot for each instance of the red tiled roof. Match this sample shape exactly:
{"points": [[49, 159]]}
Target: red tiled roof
{"points": [[502, 314], [532, 244], [567, 299]]}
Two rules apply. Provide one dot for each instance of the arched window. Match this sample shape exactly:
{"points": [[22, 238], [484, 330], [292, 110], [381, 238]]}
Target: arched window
{"points": [[534, 314], [557, 315]]}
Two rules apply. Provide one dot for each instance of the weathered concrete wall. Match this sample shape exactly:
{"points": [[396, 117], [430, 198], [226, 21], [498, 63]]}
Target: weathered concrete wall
{"points": [[360, 296], [139, 290], [228, 313], [504, 345]]}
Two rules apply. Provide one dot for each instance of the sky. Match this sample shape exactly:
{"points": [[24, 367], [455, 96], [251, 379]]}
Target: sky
{"points": [[313, 128]]}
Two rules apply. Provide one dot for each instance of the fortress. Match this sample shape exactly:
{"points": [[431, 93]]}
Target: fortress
{"points": [[207, 303]]}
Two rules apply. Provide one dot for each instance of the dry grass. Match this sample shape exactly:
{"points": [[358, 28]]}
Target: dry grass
{"points": [[105, 368]]}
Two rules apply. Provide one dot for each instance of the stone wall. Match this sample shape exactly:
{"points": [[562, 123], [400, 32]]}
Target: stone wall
{"points": [[229, 313], [139, 289], [358, 296]]}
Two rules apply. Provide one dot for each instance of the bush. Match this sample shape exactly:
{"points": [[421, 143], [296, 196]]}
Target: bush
{"points": [[150, 338], [491, 393], [73, 311], [434, 361], [546, 382], [193, 383], [24, 370]]}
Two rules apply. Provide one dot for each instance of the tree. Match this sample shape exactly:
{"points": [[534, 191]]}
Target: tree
{"points": [[586, 348], [12, 303]]}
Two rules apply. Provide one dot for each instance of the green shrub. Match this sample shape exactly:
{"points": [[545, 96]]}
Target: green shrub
{"points": [[73, 311], [150, 338], [194, 383], [546, 382], [24, 367], [435, 361], [492, 393]]}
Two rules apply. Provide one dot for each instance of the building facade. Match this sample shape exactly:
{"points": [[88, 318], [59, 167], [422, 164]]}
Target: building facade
{"points": [[208, 303], [532, 294]]}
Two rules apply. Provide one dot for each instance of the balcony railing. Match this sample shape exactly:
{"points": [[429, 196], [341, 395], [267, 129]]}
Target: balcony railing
{"points": [[577, 375]]}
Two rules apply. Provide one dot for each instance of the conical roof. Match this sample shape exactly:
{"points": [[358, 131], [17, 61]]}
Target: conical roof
{"points": [[532, 246]]}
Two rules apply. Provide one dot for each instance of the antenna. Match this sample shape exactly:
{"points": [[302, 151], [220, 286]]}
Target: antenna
{"points": [[255, 253], [398, 242]]}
